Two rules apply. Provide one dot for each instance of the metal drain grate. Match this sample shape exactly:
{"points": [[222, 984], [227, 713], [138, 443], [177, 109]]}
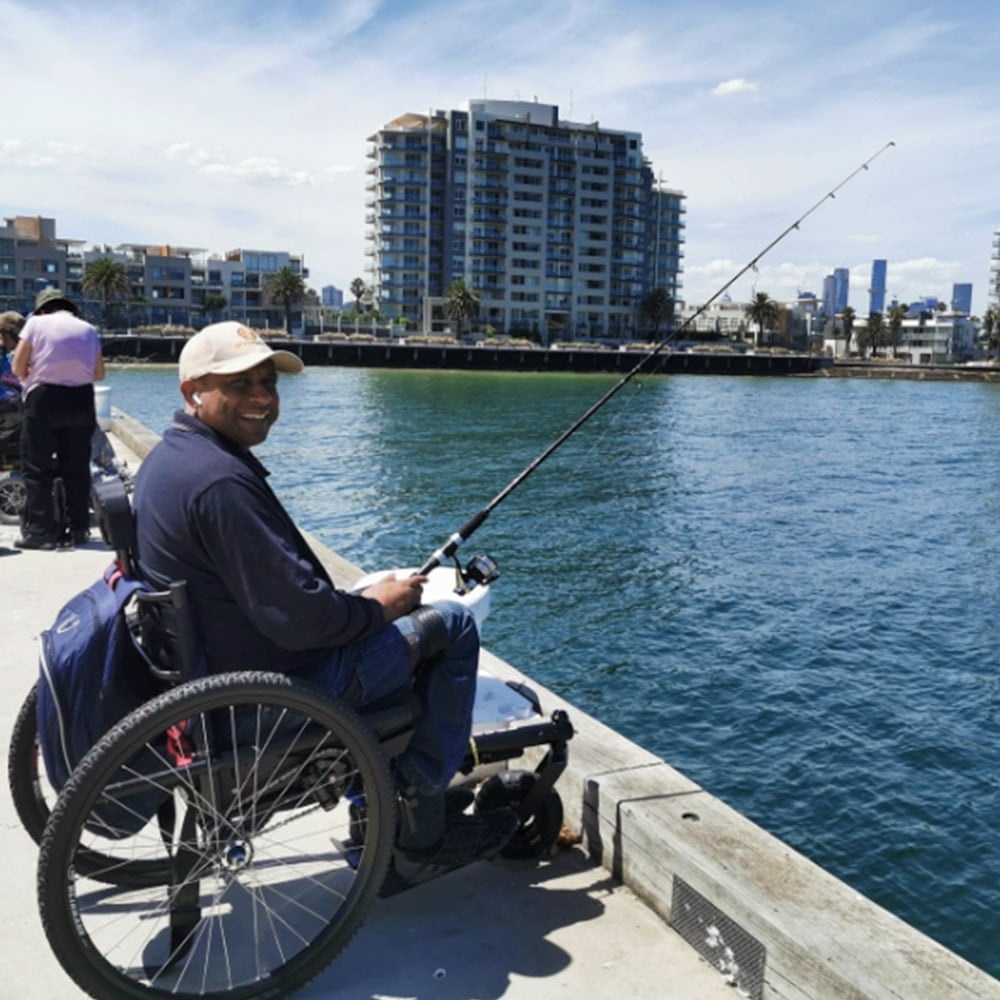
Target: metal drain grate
{"points": [[736, 954]]}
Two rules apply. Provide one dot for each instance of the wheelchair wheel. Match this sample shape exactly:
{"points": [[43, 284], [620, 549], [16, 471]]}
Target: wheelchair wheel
{"points": [[33, 797], [267, 884], [538, 833], [11, 497]]}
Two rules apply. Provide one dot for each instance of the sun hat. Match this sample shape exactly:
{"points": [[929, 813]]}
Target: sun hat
{"points": [[49, 295], [225, 348]]}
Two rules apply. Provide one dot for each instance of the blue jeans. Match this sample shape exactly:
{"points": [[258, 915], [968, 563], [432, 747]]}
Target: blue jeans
{"points": [[445, 688]]}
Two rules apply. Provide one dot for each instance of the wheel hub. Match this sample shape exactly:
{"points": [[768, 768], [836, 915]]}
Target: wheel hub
{"points": [[237, 855]]}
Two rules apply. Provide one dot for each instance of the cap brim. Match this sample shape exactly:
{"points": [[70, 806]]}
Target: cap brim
{"points": [[284, 361]]}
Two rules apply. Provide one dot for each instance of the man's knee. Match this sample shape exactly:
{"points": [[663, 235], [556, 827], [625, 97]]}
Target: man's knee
{"points": [[430, 634]]}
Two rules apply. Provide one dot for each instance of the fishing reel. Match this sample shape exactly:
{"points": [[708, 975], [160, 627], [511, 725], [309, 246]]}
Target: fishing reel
{"points": [[480, 570]]}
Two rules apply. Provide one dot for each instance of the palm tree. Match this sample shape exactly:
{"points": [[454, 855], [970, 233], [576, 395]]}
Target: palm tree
{"points": [[285, 288], [763, 311], [213, 304], [358, 290], [991, 327], [873, 335], [460, 303], [655, 308], [847, 321], [107, 280], [896, 316]]}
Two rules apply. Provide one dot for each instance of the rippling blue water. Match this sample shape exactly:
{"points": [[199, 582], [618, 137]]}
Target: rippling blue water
{"points": [[788, 588]]}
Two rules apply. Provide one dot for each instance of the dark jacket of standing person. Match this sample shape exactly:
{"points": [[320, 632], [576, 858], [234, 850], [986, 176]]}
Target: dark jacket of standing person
{"points": [[58, 359]]}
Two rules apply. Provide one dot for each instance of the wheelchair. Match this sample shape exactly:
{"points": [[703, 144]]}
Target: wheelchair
{"points": [[11, 481], [228, 837]]}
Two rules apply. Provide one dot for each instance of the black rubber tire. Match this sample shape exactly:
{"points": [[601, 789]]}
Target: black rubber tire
{"points": [[28, 786], [248, 891], [537, 835], [33, 795], [12, 495]]}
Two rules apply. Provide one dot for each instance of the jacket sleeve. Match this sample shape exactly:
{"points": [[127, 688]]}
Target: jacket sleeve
{"points": [[270, 573]]}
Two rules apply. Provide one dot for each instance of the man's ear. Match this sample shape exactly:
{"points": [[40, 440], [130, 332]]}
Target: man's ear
{"points": [[189, 391]]}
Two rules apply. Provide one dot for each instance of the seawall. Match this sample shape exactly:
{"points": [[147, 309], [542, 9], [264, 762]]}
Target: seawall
{"points": [[777, 925], [391, 354]]}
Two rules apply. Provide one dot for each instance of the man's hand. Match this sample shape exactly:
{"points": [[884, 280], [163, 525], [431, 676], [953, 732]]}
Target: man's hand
{"points": [[397, 597]]}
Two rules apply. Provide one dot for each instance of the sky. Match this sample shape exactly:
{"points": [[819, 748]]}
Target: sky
{"points": [[245, 124]]}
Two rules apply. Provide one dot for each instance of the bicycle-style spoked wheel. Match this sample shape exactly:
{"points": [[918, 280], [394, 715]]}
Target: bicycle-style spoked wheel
{"points": [[12, 494], [267, 883], [33, 799]]}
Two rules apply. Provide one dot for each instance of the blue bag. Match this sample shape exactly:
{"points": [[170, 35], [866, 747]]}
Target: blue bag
{"points": [[91, 677]]}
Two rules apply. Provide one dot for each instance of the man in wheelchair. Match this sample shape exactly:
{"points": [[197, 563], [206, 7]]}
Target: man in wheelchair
{"points": [[262, 600]]}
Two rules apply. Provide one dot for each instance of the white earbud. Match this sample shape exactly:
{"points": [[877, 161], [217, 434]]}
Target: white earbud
{"points": [[197, 399]]}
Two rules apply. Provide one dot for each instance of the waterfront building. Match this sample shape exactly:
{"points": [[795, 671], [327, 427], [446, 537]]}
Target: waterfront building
{"points": [[876, 292], [32, 257], [961, 298], [722, 319], [170, 285], [559, 227], [936, 338], [995, 271]]}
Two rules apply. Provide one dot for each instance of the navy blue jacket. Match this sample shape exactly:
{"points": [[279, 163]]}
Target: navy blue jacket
{"points": [[261, 598]]}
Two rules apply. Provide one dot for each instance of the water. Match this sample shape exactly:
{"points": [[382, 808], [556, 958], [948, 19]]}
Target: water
{"points": [[787, 588]]}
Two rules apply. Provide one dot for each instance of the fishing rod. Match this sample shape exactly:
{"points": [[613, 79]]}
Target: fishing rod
{"points": [[448, 550]]}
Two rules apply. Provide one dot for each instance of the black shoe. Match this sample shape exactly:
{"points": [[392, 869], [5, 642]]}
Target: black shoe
{"points": [[457, 800], [46, 544], [469, 838], [81, 536]]}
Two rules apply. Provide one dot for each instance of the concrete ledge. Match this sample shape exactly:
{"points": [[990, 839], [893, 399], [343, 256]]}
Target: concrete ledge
{"points": [[649, 825]]}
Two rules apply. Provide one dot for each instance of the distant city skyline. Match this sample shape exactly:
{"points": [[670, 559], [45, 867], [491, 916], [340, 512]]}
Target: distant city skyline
{"points": [[250, 127]]}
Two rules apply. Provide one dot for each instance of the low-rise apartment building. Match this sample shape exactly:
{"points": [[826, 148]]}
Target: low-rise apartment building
{"points": [[170, 285]]}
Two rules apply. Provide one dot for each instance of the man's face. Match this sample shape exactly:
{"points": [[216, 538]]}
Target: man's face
{"points": [[240, 407]]}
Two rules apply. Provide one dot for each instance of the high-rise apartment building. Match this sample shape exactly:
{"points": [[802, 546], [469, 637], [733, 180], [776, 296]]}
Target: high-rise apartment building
{"points": [[332, 297], [876, 291], [836, 290], [560, 228], [961, 298]]}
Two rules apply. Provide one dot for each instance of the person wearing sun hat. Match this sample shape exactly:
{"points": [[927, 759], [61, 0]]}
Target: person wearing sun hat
{"points": [[10, 329], [57, 359], [262, 599]]}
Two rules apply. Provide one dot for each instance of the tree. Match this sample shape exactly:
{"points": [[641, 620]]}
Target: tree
{"points": [[873, 335], [285, 288], [991, 327], [763, 311], [107, 280], [213, 304], [460, 303], [358, 290], [656, 308], [896, 316], [847, 322]]}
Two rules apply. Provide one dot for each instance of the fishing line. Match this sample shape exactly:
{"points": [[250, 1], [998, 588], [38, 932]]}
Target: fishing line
{"points": [[465, 532]]}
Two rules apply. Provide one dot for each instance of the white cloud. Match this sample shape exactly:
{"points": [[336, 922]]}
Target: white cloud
{"points": [[737, 86]]}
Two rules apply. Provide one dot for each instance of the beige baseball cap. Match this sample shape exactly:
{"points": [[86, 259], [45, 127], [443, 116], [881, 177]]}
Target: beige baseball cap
{"points": [[225, 348]]}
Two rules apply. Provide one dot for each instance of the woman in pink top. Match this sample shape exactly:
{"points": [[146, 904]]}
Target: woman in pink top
{"points": [[58, 359]]}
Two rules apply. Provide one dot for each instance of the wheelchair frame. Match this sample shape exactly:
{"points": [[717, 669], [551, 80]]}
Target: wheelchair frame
{"points": [[267, 818]]}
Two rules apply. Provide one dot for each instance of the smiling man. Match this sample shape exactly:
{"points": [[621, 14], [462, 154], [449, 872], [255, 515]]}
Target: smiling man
{"points": [[263, 601]]}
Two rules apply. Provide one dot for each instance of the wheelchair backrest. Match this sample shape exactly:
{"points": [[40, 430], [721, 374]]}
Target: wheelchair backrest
{"points": [[163, 626]]}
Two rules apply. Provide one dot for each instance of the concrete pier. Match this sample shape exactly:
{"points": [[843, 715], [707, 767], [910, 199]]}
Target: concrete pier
{"points": [[669, 893]]}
